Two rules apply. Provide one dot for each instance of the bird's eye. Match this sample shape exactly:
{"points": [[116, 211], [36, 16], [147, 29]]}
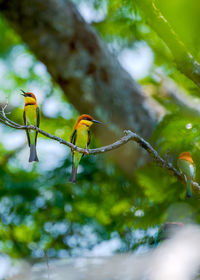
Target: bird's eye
{"points": [[88, 119]]}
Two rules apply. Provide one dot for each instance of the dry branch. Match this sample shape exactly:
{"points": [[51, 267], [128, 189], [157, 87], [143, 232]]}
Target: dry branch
{"points": [[81, 64], [129, 136]]}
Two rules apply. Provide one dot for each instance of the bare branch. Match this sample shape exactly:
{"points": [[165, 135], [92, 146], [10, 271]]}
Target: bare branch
{"points": [[89, 75], [129, 136]]}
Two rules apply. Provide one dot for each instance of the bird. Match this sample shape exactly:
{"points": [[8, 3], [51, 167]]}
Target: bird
{"points": [[186, 165], [81, 138], [31, 116]]}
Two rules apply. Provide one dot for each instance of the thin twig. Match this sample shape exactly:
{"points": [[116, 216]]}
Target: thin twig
{"points": [[129, 136]]}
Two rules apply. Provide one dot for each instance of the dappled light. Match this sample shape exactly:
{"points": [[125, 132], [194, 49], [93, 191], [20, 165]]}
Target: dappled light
{"points": [[100, 139]]}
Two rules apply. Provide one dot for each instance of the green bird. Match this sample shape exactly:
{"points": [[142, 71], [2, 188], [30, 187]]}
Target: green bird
{"points": [[81, 138], [187, 167], [31, 117]]}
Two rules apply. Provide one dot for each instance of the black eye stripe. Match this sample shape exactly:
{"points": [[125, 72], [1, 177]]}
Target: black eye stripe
{"points": [[88, 119]]}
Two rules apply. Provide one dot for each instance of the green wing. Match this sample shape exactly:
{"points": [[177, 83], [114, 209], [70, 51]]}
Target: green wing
{"points": [[188, 169], [73, 137], [89, 138], [38, 116], [38, 123], [73, 141], [88, 142], [25, 123]]}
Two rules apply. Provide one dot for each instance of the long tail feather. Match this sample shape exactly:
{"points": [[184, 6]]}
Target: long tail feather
{"points": [[189, 188], [33, 153], [73, 175]]}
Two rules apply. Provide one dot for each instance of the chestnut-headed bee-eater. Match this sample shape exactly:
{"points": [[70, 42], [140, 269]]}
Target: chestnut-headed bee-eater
{"points": [[186, 165], [31, 117], [81, 138]]}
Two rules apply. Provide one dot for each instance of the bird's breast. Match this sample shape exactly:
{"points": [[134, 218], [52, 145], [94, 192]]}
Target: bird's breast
{"points": [[186, 167], [82, 138], [31, 114]]}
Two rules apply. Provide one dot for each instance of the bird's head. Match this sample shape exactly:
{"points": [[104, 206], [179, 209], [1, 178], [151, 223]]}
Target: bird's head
{"points": [[29, 97], [86, 120], [186, 156]]}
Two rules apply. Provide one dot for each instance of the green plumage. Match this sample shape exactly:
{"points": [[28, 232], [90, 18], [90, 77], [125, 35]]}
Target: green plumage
{"points": [[188, 169], [32, 117], [80, 138]]}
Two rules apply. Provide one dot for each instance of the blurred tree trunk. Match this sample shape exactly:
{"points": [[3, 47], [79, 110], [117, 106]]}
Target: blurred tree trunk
{"points": [[91, 78]]}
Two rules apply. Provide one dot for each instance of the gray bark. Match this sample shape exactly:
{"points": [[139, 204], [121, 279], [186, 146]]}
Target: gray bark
{"points": [[91, 78]]}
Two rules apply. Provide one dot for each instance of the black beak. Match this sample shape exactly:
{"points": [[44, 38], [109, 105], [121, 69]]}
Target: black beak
{"points": [[23, 92], [94, 121]]}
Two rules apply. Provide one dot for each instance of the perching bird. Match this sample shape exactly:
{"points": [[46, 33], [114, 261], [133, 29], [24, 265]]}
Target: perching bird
{"points": [[81, 138], [31, 117], [187, 167]]}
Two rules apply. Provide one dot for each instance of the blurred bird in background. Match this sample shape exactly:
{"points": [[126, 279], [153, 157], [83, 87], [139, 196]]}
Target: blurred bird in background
{"points": [[81, 138], [31, 117], [187, 167]]}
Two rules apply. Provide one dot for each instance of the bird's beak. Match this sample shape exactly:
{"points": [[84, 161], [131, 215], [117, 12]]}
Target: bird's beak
{"points": [[23, 92], [94, 121]]}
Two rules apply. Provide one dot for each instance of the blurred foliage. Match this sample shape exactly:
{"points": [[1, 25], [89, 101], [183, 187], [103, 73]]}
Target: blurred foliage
{"points": [[40, 212]]}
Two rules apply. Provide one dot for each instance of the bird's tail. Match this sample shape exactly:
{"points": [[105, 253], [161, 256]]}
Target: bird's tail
{"points": [[189, 188], [73, 175], [33, 153]]}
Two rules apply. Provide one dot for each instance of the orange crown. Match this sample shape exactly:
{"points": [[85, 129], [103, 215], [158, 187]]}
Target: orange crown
{"points": [[30, 94], [186, 156], [83, 117]]}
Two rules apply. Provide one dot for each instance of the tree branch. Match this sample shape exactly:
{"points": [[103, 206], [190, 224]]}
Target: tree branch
{"points": [[129, 136], [91, 77], [185, 62]]}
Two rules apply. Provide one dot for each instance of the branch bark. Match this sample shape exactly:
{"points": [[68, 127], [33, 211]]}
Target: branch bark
{"points": [[129, 136], [90, 76], [184, 61]]}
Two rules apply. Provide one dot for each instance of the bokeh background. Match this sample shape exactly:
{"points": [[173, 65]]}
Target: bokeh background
{"points": [[108, 210]]}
